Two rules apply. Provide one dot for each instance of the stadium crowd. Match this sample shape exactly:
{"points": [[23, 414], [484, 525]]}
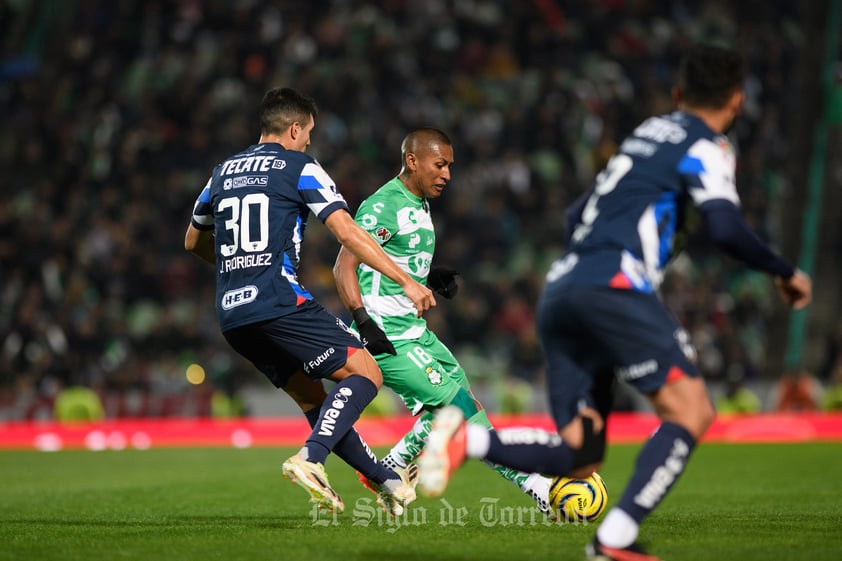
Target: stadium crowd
{"points": [[116, 112]]}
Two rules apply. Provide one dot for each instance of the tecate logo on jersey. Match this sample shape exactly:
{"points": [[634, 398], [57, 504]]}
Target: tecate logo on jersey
{"points": [[239, 296], [251, 164], [661, 130]]}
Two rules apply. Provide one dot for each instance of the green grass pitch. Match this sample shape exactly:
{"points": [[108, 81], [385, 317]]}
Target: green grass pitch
{"points": [[735, 501]]}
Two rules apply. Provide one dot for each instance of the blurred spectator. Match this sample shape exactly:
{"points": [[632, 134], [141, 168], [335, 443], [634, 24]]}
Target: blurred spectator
{"points": [[832, 397], [738, 398], [116, 112], [78, 404], [833, 354], [797, 391]]}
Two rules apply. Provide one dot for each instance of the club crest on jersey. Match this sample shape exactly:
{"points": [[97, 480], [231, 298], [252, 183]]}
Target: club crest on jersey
{"points": [[725, 145], [341, 325], [433, 375], [383, 234]]}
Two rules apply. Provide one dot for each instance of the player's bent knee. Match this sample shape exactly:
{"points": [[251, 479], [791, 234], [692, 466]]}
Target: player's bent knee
{"points": [[700, 415], [686, 403], [707, 416], [360, 364]]}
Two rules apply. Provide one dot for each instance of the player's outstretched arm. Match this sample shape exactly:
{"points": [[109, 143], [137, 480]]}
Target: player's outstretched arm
{"points": [[347, 281], [347, 284], [729, 231], [797, 290], [201, 243], [366, 250]]}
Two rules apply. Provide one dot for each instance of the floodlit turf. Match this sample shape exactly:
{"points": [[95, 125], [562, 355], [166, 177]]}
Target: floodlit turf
{"points": [[735, 502]]}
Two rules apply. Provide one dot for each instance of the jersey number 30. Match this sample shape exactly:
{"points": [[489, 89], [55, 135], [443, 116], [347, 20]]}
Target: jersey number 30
{"points": [[241, 223]]}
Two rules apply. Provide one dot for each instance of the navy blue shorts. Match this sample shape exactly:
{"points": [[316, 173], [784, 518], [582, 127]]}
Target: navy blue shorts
{"points": [[309, 339], [592, 335]]}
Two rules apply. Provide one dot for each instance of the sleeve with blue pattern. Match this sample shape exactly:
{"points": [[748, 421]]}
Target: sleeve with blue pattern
{"points": [[202, 218], [708, 167], [319, 192]]}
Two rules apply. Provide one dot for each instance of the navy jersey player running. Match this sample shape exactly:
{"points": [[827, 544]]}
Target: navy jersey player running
{"points": [[600, 317], [249, 222]]}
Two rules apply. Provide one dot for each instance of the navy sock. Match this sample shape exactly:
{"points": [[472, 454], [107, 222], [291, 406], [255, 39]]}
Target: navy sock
{"points": [[659, 464], [531, 452], [337, 415], [355, 452]]}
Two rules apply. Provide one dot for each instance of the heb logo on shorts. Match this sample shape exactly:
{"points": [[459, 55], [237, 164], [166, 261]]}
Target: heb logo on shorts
{"points": [[245, 181], [238, 297]]}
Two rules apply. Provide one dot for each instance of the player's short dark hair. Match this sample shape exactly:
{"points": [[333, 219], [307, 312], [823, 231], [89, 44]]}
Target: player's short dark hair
{"points": [[709, 74], [425, 135], [281, 107]]}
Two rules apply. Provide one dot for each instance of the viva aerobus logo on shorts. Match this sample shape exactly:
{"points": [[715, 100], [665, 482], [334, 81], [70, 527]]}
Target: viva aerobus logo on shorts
{"points": [[328, 424]]}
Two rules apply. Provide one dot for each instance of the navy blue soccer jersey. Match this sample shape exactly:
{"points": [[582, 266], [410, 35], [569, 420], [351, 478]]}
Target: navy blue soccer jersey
{"points": [[625, 231], [257, 203]]}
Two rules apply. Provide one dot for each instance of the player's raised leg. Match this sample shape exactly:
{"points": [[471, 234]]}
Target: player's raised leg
{"points": [[534, 484], [452, 440], [686, 413], [445, 451]]}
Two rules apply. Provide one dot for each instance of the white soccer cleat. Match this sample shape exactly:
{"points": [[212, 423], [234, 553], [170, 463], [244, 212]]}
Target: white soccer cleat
{"points": [[409, 474], [394, 495], [312, 477], [444, 451]]}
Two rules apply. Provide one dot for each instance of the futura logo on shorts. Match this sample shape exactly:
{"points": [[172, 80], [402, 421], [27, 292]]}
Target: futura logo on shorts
{"points": [[328, 424], [309, 366]]}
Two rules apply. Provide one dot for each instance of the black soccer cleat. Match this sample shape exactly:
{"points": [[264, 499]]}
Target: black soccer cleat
{"points": [[596, 551]]}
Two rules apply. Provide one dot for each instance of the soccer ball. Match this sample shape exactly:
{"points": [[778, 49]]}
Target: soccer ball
{"points": [[580, 500]]}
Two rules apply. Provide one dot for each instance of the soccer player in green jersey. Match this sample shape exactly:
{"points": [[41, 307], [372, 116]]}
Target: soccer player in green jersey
{"points": [[415, 363]]}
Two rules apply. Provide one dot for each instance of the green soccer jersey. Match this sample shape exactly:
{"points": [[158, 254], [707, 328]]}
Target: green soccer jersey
{"points": [[401, 224]]}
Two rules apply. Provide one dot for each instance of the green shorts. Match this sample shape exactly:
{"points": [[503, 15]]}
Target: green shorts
{"points": [[425, 374]]}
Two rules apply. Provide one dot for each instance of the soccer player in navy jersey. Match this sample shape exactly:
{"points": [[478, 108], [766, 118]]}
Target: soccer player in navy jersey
{"points": [[249, 222], [600, 316]]}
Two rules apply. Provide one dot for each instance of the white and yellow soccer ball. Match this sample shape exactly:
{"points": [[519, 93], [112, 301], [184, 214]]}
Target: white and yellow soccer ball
{"points": [[581, 500]]}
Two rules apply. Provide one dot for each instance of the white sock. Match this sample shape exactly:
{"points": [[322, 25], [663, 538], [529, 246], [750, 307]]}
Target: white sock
{"points": [[538, 486], [408, 448], [618, 529], [478, 441]]}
